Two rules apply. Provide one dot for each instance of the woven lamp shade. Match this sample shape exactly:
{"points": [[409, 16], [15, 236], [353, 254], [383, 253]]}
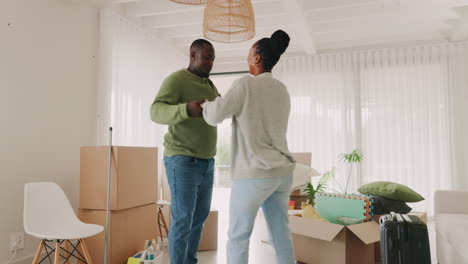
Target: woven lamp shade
{"points": [[190, 2], [229, 20]]}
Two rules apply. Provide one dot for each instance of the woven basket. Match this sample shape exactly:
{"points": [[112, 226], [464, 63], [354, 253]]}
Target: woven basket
{"points": [[229, 20]]}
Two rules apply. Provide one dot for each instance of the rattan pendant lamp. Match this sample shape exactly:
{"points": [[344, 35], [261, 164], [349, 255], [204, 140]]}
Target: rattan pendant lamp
{"points": [[229, 20], [190, 2]]}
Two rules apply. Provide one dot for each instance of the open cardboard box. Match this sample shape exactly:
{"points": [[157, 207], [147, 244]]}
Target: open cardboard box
{"points": [[318, 242]]}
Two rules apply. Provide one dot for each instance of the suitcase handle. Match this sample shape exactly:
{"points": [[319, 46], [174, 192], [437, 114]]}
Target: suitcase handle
{"points": [[394, 217], [407, 218]]}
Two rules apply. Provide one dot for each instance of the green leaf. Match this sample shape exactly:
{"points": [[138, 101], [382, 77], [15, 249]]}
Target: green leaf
{"points": [[354, 157], [321, 187], [309, 189], [328, 176]]}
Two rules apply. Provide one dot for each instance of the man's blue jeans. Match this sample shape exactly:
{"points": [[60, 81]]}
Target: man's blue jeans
{"points": [[191, 183]]}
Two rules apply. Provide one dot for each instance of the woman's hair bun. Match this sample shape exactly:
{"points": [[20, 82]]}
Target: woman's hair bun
{"points": [[279, 41]]}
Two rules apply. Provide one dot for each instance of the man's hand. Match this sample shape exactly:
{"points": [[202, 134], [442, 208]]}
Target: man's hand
{"points": [[194, 108]]}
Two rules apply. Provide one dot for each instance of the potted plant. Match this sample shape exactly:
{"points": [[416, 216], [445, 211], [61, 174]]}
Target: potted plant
{"points": [[351, 159], [310, 190]]}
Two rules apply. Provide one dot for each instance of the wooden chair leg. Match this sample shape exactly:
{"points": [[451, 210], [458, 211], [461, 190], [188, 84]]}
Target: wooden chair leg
{"points": [[57, 253], [164, 224], [38, 252], [85, 252], [159, 223], [66, 251]]}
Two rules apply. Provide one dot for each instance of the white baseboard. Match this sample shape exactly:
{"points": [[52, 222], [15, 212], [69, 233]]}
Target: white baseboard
{"points": [[27, 259], [23, 260]]}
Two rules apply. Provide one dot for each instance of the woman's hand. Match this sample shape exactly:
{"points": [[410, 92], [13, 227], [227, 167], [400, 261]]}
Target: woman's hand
{"points": [[201, 105], [194, 108]]}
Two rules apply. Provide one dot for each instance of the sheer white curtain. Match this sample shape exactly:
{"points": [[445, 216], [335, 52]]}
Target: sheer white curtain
{"points": [[321, 120], [132, 64], [458, 98], [393, 104], [405, 119]]}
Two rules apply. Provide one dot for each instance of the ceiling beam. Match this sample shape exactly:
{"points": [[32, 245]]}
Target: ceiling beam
{"points": [[264, 14], [170, 20], [399, 23], [378, 11], [390, 41], [417, 33], [125, 1], [334, 4], [156, 8], [100, 3], [187, 31], [166, 7], [299, 26], [331, 5]]}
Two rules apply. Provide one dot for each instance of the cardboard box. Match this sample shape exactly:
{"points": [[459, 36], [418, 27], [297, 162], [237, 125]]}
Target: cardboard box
{"points": [[209, 239], [128, 231], [134, 177], [304, 158], [317, 242], [421, 215]]}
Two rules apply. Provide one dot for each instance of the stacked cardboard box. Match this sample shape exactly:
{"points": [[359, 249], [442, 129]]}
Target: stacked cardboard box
{"points": [[133, 217]]}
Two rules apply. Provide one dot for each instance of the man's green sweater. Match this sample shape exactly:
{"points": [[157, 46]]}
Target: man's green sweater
{"points": [[186, 136]]}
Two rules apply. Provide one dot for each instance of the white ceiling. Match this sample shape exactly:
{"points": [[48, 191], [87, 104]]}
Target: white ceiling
{"points": [[315, 26]]}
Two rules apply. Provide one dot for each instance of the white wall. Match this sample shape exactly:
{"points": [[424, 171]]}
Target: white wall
{"points": [[47, 102]]}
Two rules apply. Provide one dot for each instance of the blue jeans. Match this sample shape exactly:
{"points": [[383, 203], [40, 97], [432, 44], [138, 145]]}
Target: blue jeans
{"points": [[191, 183], [247, 196]]}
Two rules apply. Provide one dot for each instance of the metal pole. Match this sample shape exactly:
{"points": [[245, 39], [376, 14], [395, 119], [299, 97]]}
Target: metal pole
{"points": [[106, 243]]}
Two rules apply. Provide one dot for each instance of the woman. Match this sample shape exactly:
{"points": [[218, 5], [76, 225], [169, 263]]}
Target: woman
{"points": [[262, 165]]}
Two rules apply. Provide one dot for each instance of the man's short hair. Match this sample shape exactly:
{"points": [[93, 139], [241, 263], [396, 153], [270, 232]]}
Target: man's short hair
{"points": [[199, 43]]}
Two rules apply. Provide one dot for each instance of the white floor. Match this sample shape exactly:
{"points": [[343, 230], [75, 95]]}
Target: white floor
{"points": [[260, 253]]}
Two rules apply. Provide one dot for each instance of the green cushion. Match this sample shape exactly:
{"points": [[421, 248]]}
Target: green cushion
{"points": [[391, 190]]}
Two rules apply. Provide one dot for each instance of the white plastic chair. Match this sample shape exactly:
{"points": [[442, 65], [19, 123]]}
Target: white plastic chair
{"points": [[48, 215], [161, 220]]}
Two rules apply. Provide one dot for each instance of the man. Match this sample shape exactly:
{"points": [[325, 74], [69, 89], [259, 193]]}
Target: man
{"points": [[190, 146]]}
